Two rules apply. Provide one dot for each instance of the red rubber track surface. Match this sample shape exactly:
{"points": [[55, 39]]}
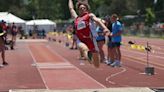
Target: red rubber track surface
{"points": [[57, 67]]}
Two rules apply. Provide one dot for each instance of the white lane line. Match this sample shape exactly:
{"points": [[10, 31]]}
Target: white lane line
{"points": [[123, 69], [35, 62], [76, 67], [55, 66], [32, 40]]}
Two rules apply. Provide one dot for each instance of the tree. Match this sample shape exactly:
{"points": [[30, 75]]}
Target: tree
{"points": [[150, 16], [58, 9]]}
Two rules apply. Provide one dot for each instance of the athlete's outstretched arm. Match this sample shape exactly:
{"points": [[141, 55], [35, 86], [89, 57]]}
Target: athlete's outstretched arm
{"points": [[71, 9], [99, 22]]}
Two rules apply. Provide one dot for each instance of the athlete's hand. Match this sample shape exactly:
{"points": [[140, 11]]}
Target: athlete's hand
{"points": [[106, 32], [111, 34]]}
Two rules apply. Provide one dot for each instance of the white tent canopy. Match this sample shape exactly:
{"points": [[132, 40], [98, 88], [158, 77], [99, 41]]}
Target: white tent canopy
{"points": [[10, 18], [41, 24], [130, 16]]}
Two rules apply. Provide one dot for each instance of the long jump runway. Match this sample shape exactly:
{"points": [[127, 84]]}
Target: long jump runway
{"points": [[51, 65], [19, 74], [58, 73]]}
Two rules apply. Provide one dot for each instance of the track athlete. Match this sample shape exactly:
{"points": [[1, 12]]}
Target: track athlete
{"points": [[82, 25]]}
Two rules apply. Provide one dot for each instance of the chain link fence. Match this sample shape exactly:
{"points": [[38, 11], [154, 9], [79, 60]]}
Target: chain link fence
{"points": [[143, 31]]}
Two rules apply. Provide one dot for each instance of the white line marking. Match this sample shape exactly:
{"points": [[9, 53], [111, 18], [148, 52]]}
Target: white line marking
{"points": [[115, 74], [32, 40], [37, 67], [76, 67], [53, 66]]}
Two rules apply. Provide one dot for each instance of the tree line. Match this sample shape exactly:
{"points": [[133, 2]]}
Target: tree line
{"points": [[58, 9]]}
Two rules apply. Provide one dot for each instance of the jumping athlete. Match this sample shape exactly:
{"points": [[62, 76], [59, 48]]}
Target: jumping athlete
{"points": [[82, 25]]}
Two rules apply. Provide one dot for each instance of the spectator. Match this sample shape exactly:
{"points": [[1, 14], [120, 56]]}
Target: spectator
{"points": [[2, 42], [116, 40]]}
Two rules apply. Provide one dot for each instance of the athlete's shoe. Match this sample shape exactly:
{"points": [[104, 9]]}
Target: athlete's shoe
{"points": [[5, 63], [110, 62], [116, 63], [1, 66], [82, 58]]}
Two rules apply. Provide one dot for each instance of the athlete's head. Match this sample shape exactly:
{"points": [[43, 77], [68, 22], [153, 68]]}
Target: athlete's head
{"points": [[82, 7], [114, 17], [107, 19], [2, 22]]}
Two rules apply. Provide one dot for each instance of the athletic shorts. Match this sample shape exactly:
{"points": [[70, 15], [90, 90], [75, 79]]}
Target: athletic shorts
{"points": [[14, 33], [114, 44], [89, 43], [100, 37], [100, 40]]}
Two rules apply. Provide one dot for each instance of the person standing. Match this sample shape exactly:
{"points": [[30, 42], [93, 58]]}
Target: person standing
{"points": [[14, 32], [2, 42], [21, 32], [100, 42], [74, 39], [110, 55], [116, 39], [82, 23]]}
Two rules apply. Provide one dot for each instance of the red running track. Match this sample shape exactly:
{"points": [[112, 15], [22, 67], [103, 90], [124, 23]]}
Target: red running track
{"points": [[51, 65]]}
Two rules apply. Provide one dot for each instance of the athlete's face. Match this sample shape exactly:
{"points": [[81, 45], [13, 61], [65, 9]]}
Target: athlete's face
{"points": [[82, 9], [113, 19]]}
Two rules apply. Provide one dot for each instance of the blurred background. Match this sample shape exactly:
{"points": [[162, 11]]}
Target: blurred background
{"points": [[144, 18]]}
